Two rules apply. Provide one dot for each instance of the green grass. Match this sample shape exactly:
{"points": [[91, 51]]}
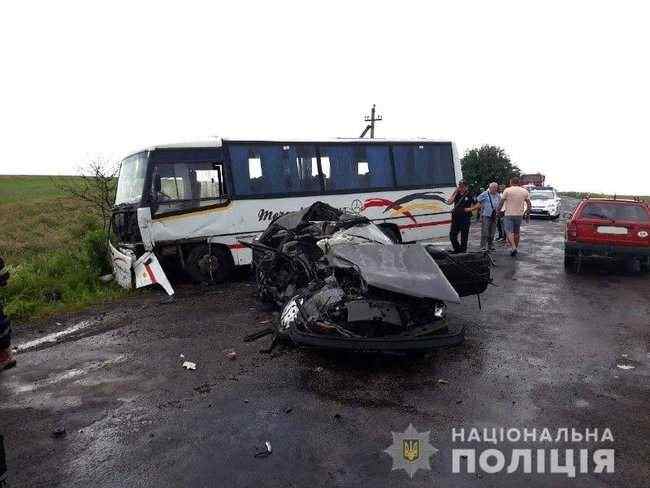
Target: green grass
{"points": [[29, 188], [53, 246]]}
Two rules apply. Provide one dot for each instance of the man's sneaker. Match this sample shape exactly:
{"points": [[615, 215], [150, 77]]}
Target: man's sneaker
{"points": [[484, 249], [492, 248], [513, 253], [7, 359]]}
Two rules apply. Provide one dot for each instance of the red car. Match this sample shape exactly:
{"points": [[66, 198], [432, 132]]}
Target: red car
{"points": [[607, 227]]}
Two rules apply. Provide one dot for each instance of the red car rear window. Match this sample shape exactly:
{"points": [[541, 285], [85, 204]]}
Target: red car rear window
{"points": [[615, 211]]}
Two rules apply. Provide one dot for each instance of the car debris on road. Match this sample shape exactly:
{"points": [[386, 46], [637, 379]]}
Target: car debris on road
{"points": [[266, 452], [341, 282], [189, 365], [59, 432]]}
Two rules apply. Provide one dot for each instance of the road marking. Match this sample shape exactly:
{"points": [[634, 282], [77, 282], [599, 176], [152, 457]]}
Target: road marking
{"points": [[55, 337]]}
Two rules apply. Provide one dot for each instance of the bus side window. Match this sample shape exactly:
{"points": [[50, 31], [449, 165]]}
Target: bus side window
{"points": [[187, 186], [424, 164], [255, 174], [208, 183], [357, 166], [325, 166], [273, 169]]}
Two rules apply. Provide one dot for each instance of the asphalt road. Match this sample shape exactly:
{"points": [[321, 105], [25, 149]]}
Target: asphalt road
{"points": [[542, 353]]}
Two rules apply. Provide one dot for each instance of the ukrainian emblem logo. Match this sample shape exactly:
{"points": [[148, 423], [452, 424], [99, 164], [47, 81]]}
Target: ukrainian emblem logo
{"points": [[411, 450]]}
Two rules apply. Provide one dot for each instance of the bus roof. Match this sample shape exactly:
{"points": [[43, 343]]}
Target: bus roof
{"points": [[218, 142]]}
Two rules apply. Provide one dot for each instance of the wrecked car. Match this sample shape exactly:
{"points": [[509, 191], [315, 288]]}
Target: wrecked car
{"points": [[341, 282]]}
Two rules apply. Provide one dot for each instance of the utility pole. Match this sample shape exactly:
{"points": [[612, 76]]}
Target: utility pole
{"points": [[371, 126]]}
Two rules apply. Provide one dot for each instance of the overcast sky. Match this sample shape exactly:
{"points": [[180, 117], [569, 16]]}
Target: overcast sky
{"points": [[564, 86]]}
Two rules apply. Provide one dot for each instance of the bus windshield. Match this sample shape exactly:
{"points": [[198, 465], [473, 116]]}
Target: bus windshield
{"points": [[131, 181]]}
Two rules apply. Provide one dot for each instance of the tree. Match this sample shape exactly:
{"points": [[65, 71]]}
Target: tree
{"points": [[486, 164], [95, 186]]}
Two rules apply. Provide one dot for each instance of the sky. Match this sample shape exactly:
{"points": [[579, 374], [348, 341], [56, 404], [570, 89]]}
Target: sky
{"points": [[563, 87]]}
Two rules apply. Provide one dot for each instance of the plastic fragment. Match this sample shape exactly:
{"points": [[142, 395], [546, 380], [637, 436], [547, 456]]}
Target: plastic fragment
{"points": [[266, 452], [189, 365]]}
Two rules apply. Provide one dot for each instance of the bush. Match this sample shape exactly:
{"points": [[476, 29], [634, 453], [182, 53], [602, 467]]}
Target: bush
{"points": [[95, 250], [62, 279]]}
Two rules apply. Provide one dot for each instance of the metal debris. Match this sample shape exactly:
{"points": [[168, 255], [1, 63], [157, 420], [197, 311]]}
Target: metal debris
{"points": [[341, 282], [189, 365], [266, 452], [59, 432], [259, 334], [625, 366], [107, 278]]}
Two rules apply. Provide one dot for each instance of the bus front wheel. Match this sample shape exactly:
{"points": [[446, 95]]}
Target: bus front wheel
{"points": [[209, 264]]}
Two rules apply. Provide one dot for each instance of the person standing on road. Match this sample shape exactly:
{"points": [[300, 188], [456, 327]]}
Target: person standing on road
{"points": [[513, 199], [489, 201], [502, 234], [7, 359], [461, 216]]}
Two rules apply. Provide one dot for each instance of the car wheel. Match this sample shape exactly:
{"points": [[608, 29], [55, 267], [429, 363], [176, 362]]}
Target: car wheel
{"points": [[645, 266], [209, 264], [570, 263], [632, 265]]}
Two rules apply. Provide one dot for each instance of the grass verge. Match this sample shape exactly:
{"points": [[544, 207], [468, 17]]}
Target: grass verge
{"points": [[54, 248]]}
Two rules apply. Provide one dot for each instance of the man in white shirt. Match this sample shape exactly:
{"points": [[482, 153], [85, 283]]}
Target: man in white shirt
{"points": [[513, 199]]}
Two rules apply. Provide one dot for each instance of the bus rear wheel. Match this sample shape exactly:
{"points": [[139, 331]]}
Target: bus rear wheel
{"points": [[209, 264]]}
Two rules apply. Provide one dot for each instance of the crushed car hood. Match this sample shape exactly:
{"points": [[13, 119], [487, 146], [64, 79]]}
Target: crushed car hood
{"points": [[341, 282], [408, 269]]}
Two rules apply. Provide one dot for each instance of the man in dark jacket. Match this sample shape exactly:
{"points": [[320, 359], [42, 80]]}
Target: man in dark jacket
{"points": [[7, 359], [461, 216]]}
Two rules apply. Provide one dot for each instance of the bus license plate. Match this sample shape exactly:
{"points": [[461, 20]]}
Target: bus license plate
{"points": [[608, 229]]}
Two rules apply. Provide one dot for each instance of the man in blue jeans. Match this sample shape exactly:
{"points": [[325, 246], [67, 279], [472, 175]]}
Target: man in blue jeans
{"points": [[7, 359], [489, 201]]}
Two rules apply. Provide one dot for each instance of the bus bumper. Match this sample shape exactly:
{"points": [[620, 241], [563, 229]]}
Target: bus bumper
{"points": [[146, 270], [122, 262]]}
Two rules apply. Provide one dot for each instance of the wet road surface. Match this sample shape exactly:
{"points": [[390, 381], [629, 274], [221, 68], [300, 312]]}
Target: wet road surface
{"points": [[542, 353]]}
